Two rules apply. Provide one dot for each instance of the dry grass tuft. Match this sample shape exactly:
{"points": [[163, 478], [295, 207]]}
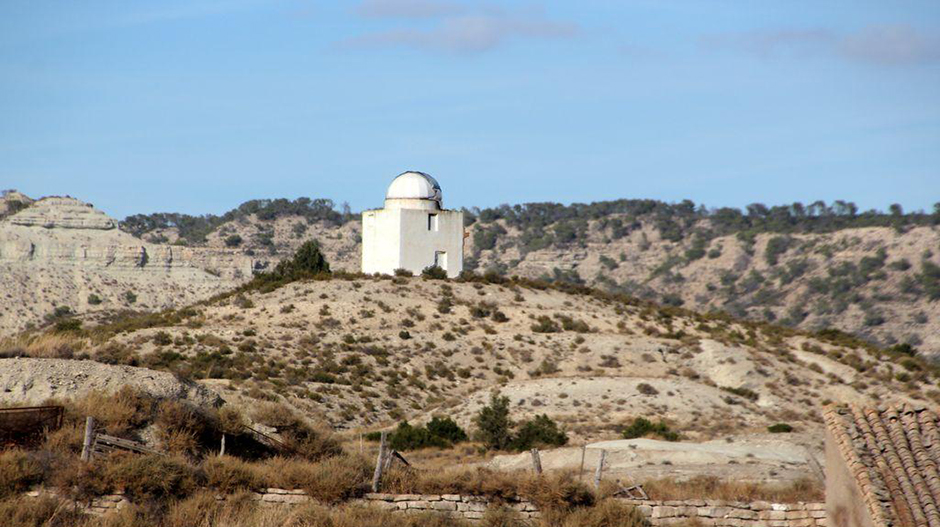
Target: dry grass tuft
{"points": [[18, 471], [503, 517], [712, 487], [329, 480], [43, 345], [118, 413], [352, 516], [555, 490], [38, 512], [606, 513], [151, 477], [229, 474]]}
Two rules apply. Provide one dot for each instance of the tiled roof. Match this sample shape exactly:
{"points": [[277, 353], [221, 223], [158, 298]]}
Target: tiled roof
{"points": [[894, 454]]}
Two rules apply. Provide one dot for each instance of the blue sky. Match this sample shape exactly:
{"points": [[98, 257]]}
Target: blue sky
{"points": [[198, 105]]}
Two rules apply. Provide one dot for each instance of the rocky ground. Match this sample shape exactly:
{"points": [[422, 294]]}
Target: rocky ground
{"points": [[767, 458], [28, 381]]}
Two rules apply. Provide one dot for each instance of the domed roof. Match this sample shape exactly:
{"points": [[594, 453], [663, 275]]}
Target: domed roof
{"points": [[414, 185]]}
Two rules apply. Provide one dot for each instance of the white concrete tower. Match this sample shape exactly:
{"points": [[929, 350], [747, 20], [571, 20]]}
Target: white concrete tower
{"points": [[413, 231]]}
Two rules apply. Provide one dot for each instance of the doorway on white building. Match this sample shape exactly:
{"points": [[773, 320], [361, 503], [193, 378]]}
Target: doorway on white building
{"points": [[440, 259]]}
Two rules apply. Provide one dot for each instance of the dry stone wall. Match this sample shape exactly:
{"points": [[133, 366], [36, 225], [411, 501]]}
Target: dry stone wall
{"points": [[718, 513]]}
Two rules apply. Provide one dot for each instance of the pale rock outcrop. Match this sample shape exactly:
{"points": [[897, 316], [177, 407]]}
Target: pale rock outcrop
{"points": [[64, 252], [63, 213]]}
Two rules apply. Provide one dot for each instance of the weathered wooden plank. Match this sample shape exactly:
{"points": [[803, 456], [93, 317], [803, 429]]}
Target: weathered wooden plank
{"points": [[104, 440], [89, 438]]}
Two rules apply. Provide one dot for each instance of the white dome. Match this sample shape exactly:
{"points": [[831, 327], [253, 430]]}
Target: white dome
{"points": [[414, 185]]}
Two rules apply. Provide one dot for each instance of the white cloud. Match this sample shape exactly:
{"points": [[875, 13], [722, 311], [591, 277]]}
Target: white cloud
{"points": [[877, 44], [409, 8], [891, 44], [457, 28]]}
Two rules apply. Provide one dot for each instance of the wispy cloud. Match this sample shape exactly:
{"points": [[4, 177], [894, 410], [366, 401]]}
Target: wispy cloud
{"points": [[410, 8], [891, 44], [887, 44], [457, 28]]}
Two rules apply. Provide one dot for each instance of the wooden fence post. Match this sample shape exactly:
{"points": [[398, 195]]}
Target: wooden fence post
{"points": [[581, 470], [222, 448], [536, 461], [89, 438], [379, 464], [600, 469]]}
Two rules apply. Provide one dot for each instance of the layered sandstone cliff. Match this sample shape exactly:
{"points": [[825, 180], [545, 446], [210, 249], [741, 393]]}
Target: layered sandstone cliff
{"points": [[60, 251]]}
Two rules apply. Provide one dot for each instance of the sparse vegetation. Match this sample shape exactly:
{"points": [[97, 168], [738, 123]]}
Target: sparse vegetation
{"points": [[641, 427]]}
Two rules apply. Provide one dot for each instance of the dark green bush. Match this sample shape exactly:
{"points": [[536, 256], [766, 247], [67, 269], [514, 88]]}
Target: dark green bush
{"points": [[642, 426], [747, 393], [446, 428], [494, 428], [439, 432], [308, 261], [780, 428], [541, 431], [68, 325], [434, 272], [545, 324]]}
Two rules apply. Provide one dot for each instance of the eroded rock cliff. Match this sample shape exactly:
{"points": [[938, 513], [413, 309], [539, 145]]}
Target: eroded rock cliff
{"points": [[62, 252]]}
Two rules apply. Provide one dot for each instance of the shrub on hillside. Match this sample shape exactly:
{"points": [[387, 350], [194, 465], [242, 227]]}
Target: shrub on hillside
{"points": [[439, 432], [747, 393], [434, 272], [308, 261], [446, 428], [780, 428], [641, 427], [540, 431], [545, 324], [494, 428]]}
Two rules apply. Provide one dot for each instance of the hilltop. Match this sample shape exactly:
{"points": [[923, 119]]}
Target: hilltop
{"points": [[875, 275]]}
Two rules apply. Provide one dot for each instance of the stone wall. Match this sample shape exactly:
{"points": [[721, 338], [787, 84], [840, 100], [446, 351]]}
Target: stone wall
{"points": [[468, 507], [718, 513]]}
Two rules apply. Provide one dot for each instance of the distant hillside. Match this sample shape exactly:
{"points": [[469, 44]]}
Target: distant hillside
{"points": [[356, 350], [874, 274]]}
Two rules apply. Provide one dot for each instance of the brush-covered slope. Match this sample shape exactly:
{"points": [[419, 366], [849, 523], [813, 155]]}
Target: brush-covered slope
{"points": [[873, 274], [362, 350]]}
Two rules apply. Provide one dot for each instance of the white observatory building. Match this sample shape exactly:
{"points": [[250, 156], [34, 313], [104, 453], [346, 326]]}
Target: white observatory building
{"points": [[413, 231]]}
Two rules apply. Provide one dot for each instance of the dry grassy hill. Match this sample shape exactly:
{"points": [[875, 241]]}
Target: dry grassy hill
{"points": [[356, 350]]}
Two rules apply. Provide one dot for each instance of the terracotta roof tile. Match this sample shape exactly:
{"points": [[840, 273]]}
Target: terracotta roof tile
{"points": [[894, 454]]}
